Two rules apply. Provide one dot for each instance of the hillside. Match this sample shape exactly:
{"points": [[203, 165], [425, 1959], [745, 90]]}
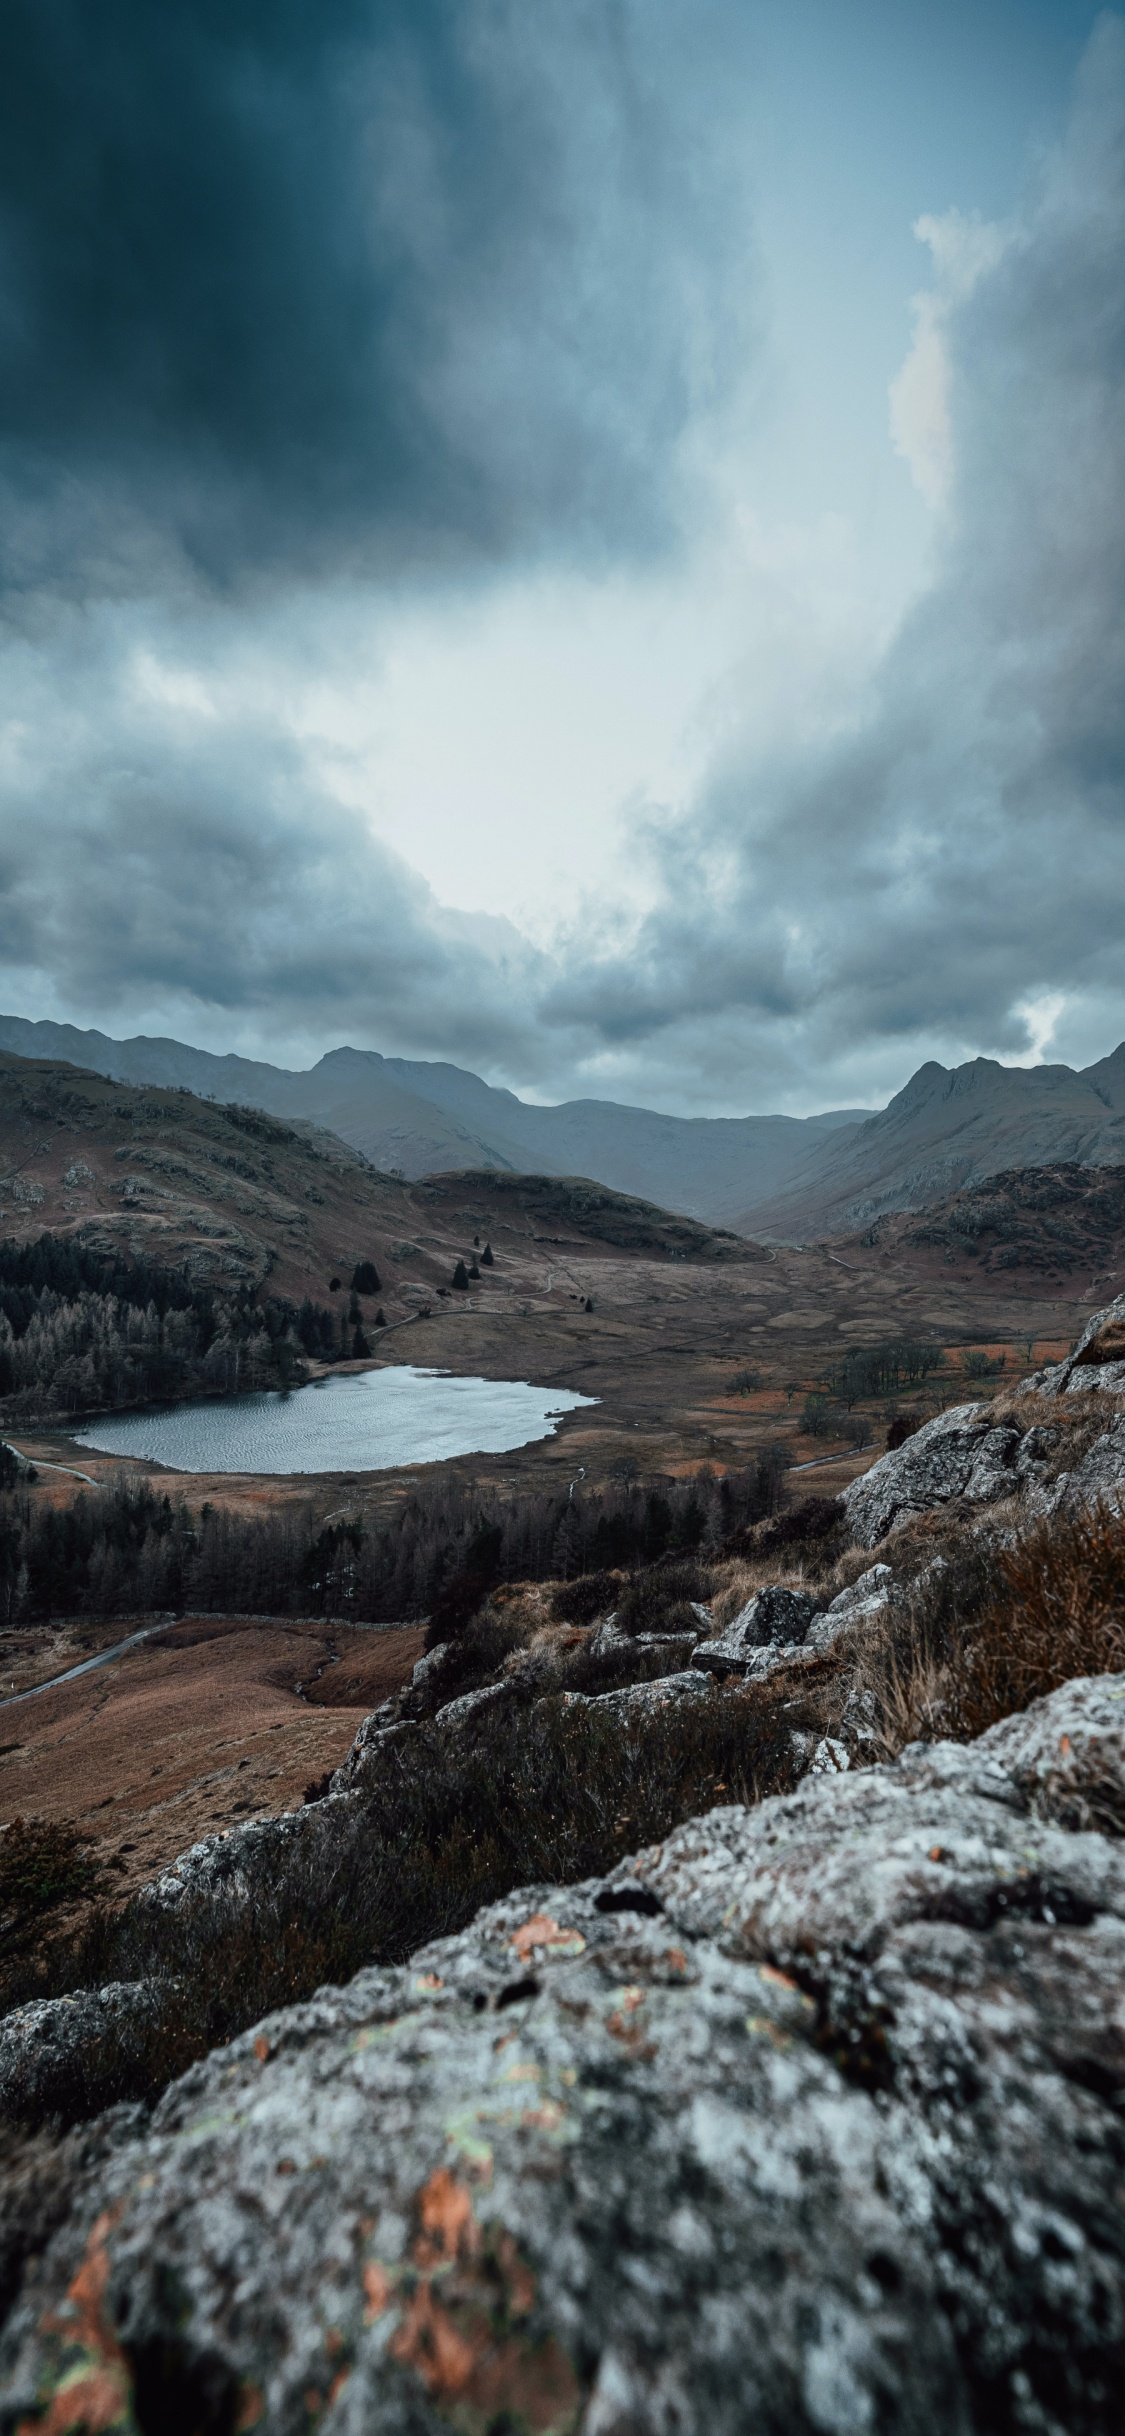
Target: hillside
{"points": [[422, 1119], [945, 1131], [241, 1199], [1032, 1229]]}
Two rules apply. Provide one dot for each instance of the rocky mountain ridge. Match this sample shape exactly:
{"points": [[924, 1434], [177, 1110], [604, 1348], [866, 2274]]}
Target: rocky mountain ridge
{"points": [[793, 1179]]}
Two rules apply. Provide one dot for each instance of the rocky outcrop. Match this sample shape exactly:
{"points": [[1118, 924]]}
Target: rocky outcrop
{"points": [[779, 1624], [774, 1618], [808, 2119], [645, 1699], [960, 1454], [1097, 1361], [42, 2045]]}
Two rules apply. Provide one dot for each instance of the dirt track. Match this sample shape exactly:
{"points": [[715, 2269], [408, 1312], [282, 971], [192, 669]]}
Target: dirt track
{"points": [[191, 1732]]}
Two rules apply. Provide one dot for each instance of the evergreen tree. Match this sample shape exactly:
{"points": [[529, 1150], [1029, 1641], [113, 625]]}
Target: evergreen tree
{"points": [[461, 1277], [365, 1278], [486, 1261]]}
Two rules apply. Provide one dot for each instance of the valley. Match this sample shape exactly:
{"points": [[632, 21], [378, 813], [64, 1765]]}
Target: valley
{"points": [[701, 1348]]}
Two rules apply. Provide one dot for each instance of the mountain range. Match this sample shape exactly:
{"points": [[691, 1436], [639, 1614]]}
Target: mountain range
{"points": [[790, 1179]]}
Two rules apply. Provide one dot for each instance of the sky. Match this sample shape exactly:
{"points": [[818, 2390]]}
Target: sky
{"points": [[584, 539]]}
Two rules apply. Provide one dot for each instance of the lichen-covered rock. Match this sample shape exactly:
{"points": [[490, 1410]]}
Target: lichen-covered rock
{"points": [[808, 2120], [774, 1618], [41, 2043], [778, 1625], [643, 1699], [959, 1454], [229, 1860]]}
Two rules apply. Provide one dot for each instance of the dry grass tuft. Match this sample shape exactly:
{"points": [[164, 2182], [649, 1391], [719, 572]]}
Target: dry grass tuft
{"points": [[1058, 1611], [989, 1620]]}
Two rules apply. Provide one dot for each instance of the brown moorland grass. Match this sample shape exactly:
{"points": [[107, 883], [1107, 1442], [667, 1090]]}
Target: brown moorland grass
{"points": [[989, 1620], [1057, 1611]]}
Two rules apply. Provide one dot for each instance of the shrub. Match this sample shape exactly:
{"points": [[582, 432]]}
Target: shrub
{"points": [[44, 1868], [659, 1600], [813, 1523], [583, 1601], [817, 1418], [744, 1383], [473, 1655], [901, 1427]]}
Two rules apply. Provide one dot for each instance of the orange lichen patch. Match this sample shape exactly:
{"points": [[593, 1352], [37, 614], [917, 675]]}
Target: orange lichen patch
{"points": [[445, 2213], [262, 2048], [378, 2288], [465, 2322], [676, 1960], [1065, 1745], [625, 2029], [428, 1983], [252, 2403], [93, 2392], [778, 1979], [542, 1935]]}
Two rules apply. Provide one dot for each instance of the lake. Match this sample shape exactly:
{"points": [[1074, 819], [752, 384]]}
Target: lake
{"points": [[363, 1421]]}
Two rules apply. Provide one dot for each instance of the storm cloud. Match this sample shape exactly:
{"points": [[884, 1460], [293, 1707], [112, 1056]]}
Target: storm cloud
{"points": [[955, 856], [388, 301], [355, 287]]}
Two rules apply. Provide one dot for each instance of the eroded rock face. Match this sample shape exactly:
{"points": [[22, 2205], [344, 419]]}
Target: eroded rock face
{"points": [[805, 2121]]}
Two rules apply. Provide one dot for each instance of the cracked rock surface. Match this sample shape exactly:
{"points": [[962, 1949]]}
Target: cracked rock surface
{"points": [[808, 2120]]}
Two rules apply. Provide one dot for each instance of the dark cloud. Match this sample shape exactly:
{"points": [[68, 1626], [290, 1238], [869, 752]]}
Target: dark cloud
{"points": [[352, 285], [960, 852]]}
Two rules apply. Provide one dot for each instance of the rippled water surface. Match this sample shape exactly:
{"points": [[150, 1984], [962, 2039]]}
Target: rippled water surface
{"points": [[364, 1421]]}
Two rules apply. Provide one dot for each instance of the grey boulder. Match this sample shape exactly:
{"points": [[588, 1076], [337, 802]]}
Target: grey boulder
{"points": [[959, 1454], [807, 2120], [774, 1617]]}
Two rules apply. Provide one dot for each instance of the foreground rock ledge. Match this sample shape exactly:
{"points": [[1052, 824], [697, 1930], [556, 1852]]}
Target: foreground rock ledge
{"points": [[808, 2120]]}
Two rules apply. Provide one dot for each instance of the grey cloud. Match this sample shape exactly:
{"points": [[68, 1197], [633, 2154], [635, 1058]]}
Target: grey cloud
{"points": [[366, 285], [204, 873], [963, 849]]}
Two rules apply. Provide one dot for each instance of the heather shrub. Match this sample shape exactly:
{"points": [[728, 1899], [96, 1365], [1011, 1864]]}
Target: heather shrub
{"points": [[583, 1601], [819, 1524], [45, 1868], [659, 1600]]}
